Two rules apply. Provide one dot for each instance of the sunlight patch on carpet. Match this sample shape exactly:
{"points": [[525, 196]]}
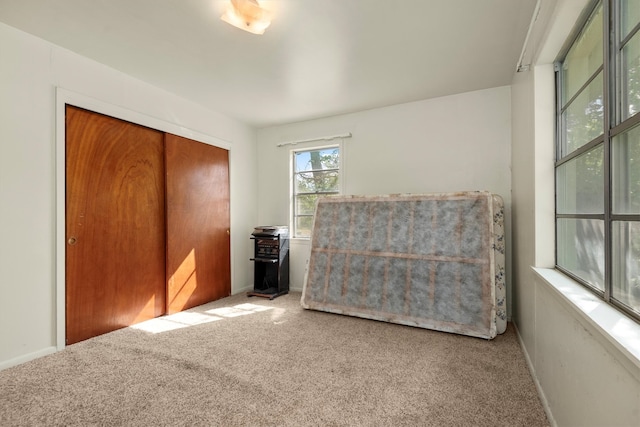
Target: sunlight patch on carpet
{"points": [[238, 310], [186, 319]]}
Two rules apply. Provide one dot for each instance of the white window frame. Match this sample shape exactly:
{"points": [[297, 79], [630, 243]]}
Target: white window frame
{"points": [[614, 125], [292, 172]]}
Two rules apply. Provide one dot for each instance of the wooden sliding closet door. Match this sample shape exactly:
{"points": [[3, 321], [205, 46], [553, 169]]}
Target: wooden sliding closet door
{"points": [[198, 253], [115, 224]]}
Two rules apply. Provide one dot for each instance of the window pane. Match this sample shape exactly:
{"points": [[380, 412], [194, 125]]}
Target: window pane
{"points": [[303, 226], [629, 16], [631, 77], [314, 171], [626, 172], [583, 120], [580, 184], [584, 57], [306, 204], [309, 182], [580, 245], [326, 158], [626, 264]]}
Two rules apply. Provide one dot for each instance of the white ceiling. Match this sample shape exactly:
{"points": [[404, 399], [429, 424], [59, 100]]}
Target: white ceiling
{"points": [[319, 57]]}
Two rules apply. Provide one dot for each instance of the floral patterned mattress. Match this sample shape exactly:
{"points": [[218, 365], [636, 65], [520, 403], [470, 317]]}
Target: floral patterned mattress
{"points": [[433, 261]]}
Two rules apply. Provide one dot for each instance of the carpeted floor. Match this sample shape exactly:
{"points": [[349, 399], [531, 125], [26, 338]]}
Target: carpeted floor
{"points": [[253, 362]]}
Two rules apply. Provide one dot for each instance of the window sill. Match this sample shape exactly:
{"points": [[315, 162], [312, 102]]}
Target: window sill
{"points": [[306, 240], [607, 324]]}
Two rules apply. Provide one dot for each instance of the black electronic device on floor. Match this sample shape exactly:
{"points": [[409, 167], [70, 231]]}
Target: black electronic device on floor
{"points": [[271, 261]]}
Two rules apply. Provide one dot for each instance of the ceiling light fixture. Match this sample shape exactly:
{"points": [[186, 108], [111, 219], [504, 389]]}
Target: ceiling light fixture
{"points": [[247, 15]]}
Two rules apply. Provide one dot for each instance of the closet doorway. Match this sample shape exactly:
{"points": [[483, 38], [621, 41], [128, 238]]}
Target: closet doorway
{"points": [[147, 224]]}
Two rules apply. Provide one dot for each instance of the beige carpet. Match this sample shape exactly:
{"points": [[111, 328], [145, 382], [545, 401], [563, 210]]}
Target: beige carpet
{"points": [[254, 362]]}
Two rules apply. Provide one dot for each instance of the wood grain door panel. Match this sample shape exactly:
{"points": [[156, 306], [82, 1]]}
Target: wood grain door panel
{"points": [[198, 252], [115, 224]]}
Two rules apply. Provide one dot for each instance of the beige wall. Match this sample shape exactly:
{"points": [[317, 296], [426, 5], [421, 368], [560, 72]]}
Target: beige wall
{"points": [[498, 139], [31, 160], [574, 343], [454, 143]]}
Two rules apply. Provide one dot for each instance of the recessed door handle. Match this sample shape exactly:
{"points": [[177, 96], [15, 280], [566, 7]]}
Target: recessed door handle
{"points": [[72, 240]]}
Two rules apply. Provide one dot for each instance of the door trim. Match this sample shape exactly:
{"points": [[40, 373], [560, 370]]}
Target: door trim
{"points": [[63, 97]]}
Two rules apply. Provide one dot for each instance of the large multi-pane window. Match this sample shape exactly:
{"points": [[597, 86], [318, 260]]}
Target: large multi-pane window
{"points": [[316, 173], [598, 155]]}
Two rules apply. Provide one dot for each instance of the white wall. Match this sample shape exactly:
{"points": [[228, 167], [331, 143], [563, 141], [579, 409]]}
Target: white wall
{"points": [[453, 143], [585, 374], [522, 212], [460, 142], [30, 189]]}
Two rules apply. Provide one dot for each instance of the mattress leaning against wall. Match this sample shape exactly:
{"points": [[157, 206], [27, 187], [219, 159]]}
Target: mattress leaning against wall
{"points": [[433, 261]]}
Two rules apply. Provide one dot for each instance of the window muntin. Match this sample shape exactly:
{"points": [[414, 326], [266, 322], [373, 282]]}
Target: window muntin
{"points": [[584, 57], [629, 16], [581, 88], [630, 80], [581, 249], [628, 57], [580, 184], [316, 173], [625, 172], [626, 269], [317, 181], [598, 155], [583, 119]]}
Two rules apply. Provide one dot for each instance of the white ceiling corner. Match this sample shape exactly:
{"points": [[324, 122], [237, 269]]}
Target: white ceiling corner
{"points": [[318, 58]]}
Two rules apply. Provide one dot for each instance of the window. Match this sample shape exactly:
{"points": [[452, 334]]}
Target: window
{"points": [[316, 173], [598, 155]]}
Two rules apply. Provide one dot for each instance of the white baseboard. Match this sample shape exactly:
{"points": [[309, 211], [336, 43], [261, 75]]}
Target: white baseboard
{"points": [[27, 357], [543, 398], [242, 290]]}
